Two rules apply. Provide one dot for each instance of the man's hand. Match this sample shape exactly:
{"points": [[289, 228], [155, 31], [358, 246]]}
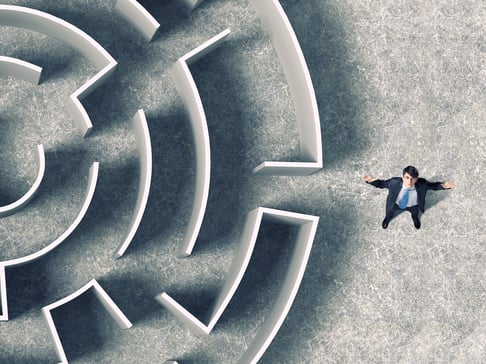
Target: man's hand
{"points": [[369, 179], [448, 185]]}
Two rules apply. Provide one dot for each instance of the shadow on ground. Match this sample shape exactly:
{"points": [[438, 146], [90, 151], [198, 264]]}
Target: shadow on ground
{"points": [[133, 295], [172, 174], [221, 92], [77, 327], [331, 244], [260, 285], [26, 288], [321, 37]]}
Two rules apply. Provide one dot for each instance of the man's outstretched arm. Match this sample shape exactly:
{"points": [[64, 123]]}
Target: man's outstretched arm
{"points": [[376, 182], [440, 186], [369, 178]]}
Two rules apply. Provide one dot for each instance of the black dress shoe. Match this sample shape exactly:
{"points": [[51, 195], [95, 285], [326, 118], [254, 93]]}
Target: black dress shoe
{"points": [[385, 223], [416, 223]]}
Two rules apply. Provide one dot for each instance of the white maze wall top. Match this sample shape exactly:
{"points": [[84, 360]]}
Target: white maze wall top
{"points": [[92, 180], [102, 296], [192, 102], [144, 145], [44, 23], [20, 69], [139, 17], [307, 229], [293, 62]]}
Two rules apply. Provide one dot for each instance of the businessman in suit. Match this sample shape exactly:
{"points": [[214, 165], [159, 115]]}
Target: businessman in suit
{"points": [[406, 193]]}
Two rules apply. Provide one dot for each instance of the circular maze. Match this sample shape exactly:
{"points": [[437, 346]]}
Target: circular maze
{"points": [[87, 105]]}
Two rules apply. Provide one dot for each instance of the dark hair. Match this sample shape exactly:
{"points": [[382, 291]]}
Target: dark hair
{"points": [[411, 170]]}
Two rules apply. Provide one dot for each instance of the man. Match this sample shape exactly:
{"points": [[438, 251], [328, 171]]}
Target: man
{"points": [[406, 193]]}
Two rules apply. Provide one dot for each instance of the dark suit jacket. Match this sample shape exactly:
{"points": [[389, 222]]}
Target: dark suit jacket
{"points": [[394, 185]]}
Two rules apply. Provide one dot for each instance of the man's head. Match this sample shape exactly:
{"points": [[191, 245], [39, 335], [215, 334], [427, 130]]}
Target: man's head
{"points": [[410, 176]]}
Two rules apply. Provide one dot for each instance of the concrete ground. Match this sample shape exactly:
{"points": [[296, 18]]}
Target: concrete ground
{"points": [[397, 83]]}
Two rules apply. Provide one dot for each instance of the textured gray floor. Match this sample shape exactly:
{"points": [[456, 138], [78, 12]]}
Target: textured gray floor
{"points": [[397, 83]]}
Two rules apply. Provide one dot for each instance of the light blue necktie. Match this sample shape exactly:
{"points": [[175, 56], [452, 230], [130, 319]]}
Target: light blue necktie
{"points": [[404, 200]]}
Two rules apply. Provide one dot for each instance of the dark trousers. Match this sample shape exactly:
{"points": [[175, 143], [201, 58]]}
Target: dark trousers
{"points": [[414, 210]]}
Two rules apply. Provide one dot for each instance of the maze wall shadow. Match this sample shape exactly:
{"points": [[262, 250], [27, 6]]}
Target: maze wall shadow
{"points": [[77, 328], [11, 188], [172, 174], [322, 39], [26, 288], [221, 92], [331, 245], [260, 285]]}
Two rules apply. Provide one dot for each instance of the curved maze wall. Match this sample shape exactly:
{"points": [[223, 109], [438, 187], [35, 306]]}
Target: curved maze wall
{"points": [[309, 160]]}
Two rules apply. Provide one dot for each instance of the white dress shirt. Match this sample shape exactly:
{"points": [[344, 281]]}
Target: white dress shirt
{"points": [[412, 196]]}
